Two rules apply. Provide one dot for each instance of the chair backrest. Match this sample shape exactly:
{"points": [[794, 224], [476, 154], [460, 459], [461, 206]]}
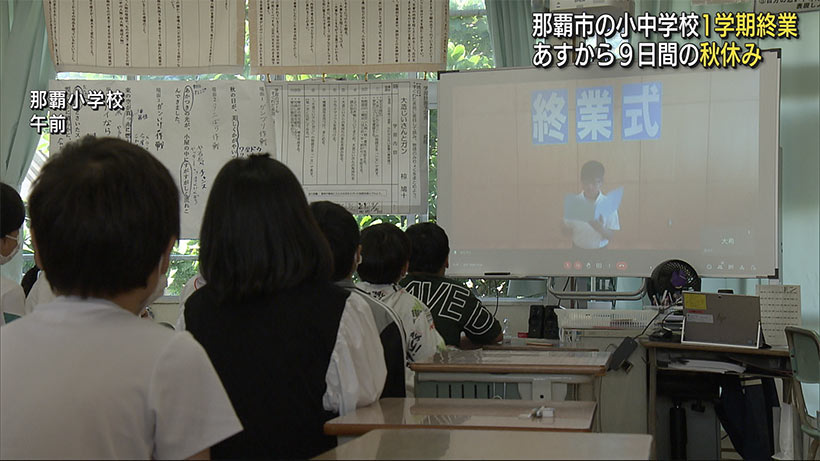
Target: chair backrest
{"points": [[804, 350]]}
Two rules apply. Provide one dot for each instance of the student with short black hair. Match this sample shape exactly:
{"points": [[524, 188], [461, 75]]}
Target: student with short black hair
{"points": [[12, 216], [455, 309], [292, 349], [385, 256], [342, 233], [84, 376]]}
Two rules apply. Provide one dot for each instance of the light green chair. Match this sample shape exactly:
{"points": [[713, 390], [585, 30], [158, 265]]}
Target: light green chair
{"points": [[804, 350]]}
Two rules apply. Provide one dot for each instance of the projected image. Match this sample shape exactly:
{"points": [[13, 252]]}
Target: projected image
{"points": [[591, 217], [593, 114], [608, 174]]}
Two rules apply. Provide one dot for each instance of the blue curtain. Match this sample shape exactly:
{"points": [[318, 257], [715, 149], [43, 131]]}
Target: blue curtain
{"points": [[510, 23], [26, 65]]}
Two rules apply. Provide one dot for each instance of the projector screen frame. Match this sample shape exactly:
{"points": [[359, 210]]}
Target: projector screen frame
{"points": [[768, 182]]}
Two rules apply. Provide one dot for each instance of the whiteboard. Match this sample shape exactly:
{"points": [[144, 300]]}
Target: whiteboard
{"points": [[699, 179]]}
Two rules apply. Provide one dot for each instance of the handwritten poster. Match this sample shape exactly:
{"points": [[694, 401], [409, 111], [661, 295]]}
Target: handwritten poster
{"points": [[175, 37], [192, 127], [362, 145], [347, 36], [779, 308]]}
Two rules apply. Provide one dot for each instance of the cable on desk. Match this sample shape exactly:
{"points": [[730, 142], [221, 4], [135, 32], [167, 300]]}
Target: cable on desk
{"points": [[647, 325], [650, 323]]}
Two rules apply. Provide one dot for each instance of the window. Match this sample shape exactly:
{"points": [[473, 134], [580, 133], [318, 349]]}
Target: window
{"points": [[469, 47]]}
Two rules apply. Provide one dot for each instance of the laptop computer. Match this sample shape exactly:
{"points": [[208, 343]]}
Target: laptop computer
{"points": [[721, 319]]}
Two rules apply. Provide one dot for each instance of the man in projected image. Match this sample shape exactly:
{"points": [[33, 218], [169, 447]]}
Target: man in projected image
{"points": [[590, 229]]}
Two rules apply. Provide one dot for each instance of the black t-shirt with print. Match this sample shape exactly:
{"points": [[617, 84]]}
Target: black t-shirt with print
{"points": [[454, 308]]}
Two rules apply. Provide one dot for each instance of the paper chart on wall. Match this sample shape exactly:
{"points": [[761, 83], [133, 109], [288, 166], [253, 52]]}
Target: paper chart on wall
{"points": [[180, 37], [348, 36], [193, 127], [779, 308], [362, 145]]}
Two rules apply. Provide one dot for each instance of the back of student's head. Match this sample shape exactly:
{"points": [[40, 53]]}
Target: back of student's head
{"points": [[103, 211], [430, 247], [258, 234], [12, 210], [385, 251], [591, 171], [342, 233]]}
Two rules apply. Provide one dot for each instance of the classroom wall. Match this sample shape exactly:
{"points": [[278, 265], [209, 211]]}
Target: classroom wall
{"points": [[800, 140], [800, 163]]}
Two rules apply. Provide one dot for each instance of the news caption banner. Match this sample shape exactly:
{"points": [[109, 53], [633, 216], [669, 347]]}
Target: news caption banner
{"points": [[348, 36], [777, 6], [659, 51], [146, 36], [362, 145]]}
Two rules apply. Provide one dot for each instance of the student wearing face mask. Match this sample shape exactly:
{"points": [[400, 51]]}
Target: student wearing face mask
{"points": [[83, 376], [12, 215]]}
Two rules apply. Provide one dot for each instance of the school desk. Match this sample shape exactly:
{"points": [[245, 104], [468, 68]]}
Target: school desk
{"points": [[528, 375], [479, 444], [535, 348], [702, 425], [424, 413]]}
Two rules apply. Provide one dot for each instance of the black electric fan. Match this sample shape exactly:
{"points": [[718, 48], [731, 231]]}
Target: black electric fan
{"points": [[672, 277]]}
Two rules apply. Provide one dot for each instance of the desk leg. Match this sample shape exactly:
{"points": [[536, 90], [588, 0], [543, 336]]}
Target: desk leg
{"points": [[597, 387], [653, 389]]}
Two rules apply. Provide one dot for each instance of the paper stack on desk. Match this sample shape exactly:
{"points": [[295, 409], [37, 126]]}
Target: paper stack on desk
{"points": [[709, 366]]}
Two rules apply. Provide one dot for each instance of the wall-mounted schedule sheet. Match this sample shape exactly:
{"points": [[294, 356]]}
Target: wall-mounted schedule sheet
{"points": [[362, 145], [192, 127], [347, 36], [176, 37]]}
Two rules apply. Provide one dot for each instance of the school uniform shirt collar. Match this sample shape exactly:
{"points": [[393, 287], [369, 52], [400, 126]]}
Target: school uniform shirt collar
{"points": [[65, 307], [346, 283], [379, 290], [600, 197]]}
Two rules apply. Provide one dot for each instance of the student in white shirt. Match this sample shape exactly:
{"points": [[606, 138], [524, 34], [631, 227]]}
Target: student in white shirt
{"points": [[342, 233], [84, 376], [12, 215], [385, 259], [596, 233], [40, 292], [291, 348]]}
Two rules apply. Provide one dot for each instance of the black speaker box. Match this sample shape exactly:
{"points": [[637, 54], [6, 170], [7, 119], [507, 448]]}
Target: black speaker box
{"points": [[536, 323]]}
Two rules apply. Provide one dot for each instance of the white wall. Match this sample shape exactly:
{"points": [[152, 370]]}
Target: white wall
{"points": [[800, 140]]}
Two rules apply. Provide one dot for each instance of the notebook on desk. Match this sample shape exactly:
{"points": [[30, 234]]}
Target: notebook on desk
{"points": [[721, 319]]}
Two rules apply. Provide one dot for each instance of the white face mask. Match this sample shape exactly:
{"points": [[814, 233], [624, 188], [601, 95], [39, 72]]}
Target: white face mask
{"points": [[159, 289], [6, 258]]}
